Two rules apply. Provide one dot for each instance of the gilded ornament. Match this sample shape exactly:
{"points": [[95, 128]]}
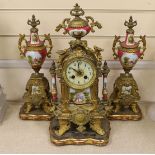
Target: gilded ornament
{"points": [[125, 96], [37, 98], [80, 117]]}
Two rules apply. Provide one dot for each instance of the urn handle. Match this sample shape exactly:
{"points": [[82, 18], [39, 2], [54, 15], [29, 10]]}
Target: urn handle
{"points": [[22, 48], [143, 48], [114, 48], [63, 25], [49, 46], [93, 23]]}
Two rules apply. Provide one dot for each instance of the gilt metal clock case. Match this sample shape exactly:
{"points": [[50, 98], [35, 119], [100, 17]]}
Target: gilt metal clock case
{"points": [[80, 117]]}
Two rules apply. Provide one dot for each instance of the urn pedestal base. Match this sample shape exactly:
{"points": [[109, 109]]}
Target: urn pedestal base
{"points": [[126, 115], [37, 99], [38, 115], [74, 137], [124, 99]]}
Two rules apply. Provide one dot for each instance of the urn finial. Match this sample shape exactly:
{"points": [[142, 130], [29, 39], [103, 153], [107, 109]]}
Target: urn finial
{"points": [[130, 24], [33, 22], [77, 11]]}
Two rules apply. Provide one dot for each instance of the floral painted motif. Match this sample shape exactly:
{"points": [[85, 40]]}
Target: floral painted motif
{"points": [[36, 57], [81, 31]]}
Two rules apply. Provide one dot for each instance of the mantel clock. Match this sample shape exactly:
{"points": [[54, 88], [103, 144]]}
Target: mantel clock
{"points": [[80, 117], [125, 95], [37, 98]]}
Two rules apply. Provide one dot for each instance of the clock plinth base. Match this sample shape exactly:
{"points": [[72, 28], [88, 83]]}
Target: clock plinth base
{"points": [[74, 137], [126, 115], [37, 114]]}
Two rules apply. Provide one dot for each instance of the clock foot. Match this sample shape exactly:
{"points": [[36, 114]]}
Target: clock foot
{"points": [[134, 107], [64, 126], [117, 109], [27, 108], [96, 126]]}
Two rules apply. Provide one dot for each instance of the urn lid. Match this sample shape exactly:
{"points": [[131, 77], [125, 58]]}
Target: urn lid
{"points": [[34, 37], [77, 22], [129, 38]]}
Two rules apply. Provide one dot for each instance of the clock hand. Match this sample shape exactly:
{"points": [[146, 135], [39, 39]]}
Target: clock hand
{"points": [[78, 65], [77, 71]]}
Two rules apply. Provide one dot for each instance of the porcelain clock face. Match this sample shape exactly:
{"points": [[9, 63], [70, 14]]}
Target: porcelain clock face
{"points": [[79, 73]]}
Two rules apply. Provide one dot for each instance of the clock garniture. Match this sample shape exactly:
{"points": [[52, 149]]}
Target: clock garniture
{"points": [[37, 98], [80, 118], [125, 96]]}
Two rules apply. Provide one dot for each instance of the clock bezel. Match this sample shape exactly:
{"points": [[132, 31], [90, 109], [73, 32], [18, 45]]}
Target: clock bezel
{"points": [[83, 86]]}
